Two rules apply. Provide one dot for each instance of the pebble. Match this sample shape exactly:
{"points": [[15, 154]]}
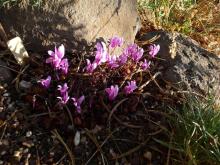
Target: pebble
{"points": [[6, 94], [26, 151], [18, 155], [77, 138], [3, 153], [5, 85], [52, 153], [11, 106], [8, 100], [25, 85], [1, 162], [4, 142], [28, 134], [27, 144], [148, 155]]}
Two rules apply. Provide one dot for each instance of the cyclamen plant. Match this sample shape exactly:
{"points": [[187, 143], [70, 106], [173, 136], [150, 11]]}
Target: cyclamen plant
{"points": [[108, 73]]}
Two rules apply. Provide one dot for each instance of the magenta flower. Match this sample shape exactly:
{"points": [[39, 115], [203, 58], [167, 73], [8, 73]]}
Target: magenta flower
{"points": [[56, 56], [46, 82], [101, 53], [64, 98], [130, 87], [112, 92], [153, 50], [145, 65], [135, 52], [90, 67], [115, 42], [63, 89], [112, 61], [77, 102], [122, 59], [64, 65]]}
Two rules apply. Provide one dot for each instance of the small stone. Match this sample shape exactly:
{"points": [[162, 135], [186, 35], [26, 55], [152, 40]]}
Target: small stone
{"points": [[1, 162], [15, 124], [5, 85], [3, 153], [26, 151], [28, 144], [5, 142], [6, 94], [17, 155], [28, 134], [8, 101], [77, 138], [11, 106], [18, 50], [148, 155], [25, 85]]}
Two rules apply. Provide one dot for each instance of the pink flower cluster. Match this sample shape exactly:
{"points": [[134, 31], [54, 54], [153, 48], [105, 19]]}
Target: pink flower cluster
{"points": [[64, 97], [112, 92], [104, 56], [133, 52], [57, 61]]}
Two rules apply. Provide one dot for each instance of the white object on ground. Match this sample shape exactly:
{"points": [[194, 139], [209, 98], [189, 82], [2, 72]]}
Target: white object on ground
{"points": [[77, 138], [18, 50]]}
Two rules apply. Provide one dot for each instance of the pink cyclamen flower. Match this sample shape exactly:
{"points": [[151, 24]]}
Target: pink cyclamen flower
{"points": [[130, 87], [56, 56], [90, 67], [63, 89], [145, 65], [112, 92], [64, 98], [101, 53], [135, 52], [64, 65], [115, 42], [153, 50], [46, 82], [112, 61], [122, 59], [77, 102]]}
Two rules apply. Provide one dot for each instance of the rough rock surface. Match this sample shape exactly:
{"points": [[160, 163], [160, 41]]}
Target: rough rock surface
{"points": [[186, 64], [72, 22]]}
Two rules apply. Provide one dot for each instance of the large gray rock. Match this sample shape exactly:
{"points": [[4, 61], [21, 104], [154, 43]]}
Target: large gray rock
{"points": [[75, 23], [186, 64]]}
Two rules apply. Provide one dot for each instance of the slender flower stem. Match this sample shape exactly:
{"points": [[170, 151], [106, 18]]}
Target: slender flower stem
{"points": [[69, 113]]}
